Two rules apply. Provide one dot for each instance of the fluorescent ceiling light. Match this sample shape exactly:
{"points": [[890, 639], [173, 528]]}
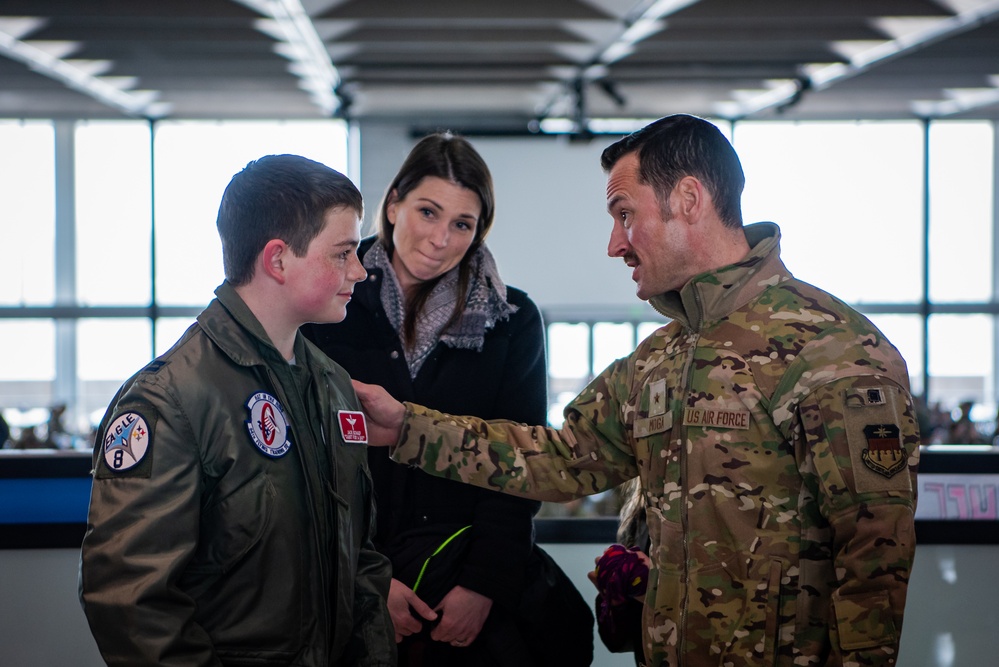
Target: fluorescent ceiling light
{"points": [[618, 125], [958, 100], [666, 7], [299, 42], [19, 27], [92, 67], [47, 58], [594, 125], [557, 126], [616, 51], [642, 26], [641, 29]]}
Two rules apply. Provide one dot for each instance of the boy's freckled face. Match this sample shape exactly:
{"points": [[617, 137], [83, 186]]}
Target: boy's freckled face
{"points": [[323, 280]]}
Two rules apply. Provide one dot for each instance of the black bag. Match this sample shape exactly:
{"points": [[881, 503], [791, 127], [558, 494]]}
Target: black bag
{"points": [[555, 619]]}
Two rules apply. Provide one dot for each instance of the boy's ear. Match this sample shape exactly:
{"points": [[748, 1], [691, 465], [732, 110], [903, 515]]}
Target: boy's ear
{"points": [[271, 260]]}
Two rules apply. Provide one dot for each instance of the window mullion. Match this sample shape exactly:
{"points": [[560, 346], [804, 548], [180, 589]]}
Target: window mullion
{"points": [[65, 388]]}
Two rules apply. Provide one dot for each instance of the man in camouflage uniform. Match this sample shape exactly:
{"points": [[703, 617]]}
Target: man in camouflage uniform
{"points": [[771, 425]]}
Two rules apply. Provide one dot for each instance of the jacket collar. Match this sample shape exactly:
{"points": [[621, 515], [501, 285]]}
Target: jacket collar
{"points": [[231, 325], [714, 294]]}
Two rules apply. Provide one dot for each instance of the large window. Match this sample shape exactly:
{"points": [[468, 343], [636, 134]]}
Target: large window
{"points": [[106, 219], [849, 198], [961, 212], [195, 161], [27, 213], [82, 207], [113, 199]]}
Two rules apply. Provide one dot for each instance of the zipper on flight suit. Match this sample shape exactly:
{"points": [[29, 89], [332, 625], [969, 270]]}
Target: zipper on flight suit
{"points": [[329, 480], [685, 390], [309, 493], [331, 483]]}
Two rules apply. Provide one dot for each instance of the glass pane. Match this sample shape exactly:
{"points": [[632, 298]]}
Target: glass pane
{"points": [[26, 377], [27, 213], [611, 341], [169, 330], [112, 349], [961, 200], [568, 350], [847, 197], [961, 359], [109, 351], [113, 209], [194, 163], [29, 350], [557, 405], [906, 333], [645, 329]]}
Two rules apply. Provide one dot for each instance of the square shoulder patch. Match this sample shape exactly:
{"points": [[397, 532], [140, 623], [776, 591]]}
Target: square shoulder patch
{"points": [[873, 418]]}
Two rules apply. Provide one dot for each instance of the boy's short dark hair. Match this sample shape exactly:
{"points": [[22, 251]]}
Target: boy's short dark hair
{"points": [[278, 197]]}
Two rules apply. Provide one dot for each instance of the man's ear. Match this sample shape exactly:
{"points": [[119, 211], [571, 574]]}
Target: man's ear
{"points": [[271, 260], [690, 198]]}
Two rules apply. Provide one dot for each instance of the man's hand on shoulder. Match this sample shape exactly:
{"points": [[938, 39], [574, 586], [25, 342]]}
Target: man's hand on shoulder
{"points": [[385, 414]]}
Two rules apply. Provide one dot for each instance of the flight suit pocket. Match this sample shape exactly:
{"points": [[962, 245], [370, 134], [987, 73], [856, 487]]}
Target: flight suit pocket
{"points": [[233, 525], [742, 617], [864, 621]]}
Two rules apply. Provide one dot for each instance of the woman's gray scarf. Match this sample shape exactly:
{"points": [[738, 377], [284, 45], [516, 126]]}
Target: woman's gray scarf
{"points": [[485, 305]]}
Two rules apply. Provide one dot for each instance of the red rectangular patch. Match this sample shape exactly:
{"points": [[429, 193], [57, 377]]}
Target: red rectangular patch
{"points": [[353, 428]]}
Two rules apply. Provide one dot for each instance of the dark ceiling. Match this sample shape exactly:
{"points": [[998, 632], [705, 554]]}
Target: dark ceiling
{"points": [[502, 63]]}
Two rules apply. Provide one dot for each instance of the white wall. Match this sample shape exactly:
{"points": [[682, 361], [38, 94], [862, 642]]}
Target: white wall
{"points": [[41, 621], [551, 230], [552, 226]]}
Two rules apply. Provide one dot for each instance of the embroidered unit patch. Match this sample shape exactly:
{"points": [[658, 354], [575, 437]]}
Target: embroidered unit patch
{"points": [[126, 442], [267, 425], [353, 428], [884, 454]]}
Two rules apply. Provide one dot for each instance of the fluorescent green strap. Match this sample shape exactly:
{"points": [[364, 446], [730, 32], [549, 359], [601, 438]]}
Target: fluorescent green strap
{"points": [[439, 549]]}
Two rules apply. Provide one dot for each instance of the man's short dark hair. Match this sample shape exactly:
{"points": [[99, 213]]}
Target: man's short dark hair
{"points": [[681, 145], [278, 197]]}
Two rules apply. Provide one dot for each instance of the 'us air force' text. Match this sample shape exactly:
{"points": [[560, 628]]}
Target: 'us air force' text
{"points": [[717, 418]]}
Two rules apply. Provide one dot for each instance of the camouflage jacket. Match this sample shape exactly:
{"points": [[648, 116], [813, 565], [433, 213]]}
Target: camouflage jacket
{"points": [[776, 440]]}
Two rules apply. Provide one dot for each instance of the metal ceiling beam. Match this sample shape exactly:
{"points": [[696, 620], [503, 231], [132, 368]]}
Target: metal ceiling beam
{"points": [[788, 92], [644, 22]]}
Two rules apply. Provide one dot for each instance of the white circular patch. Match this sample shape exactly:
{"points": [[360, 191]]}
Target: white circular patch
{"points": [[126, 441], [267, 425]]}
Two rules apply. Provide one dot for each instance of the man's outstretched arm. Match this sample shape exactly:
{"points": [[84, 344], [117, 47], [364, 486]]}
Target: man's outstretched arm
{"points": [[591, 452], [385, 414]]}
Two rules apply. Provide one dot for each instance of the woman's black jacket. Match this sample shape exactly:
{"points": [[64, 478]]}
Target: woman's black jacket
{"points": [[506, 380]]}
